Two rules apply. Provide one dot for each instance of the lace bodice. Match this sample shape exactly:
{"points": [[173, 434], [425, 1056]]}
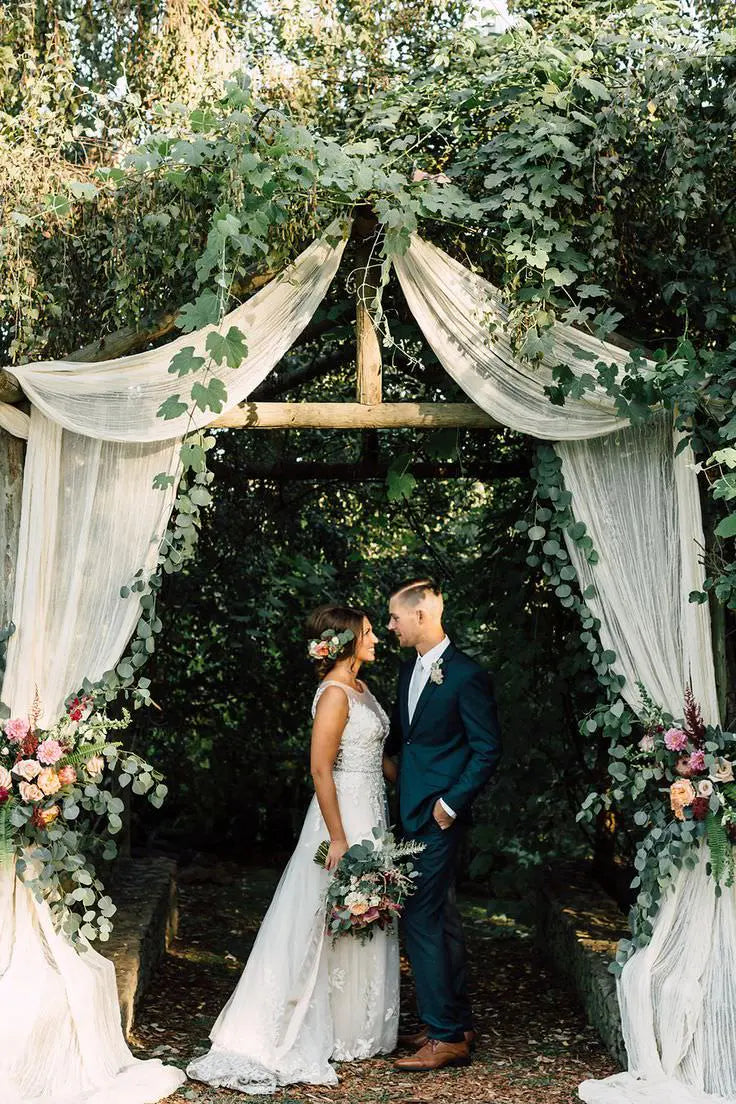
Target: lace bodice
{"points": [[361, 748]]}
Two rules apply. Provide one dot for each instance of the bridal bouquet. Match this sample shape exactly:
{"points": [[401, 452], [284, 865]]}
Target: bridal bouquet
{"points": [[370, 885], [676, 781], [55, 805]]}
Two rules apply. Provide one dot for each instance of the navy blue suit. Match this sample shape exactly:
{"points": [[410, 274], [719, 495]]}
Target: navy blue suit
{"points": [[449, 749]]}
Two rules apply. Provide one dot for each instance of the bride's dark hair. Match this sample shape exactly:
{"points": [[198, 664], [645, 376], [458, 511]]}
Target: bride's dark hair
{"points": [[338, 618]]}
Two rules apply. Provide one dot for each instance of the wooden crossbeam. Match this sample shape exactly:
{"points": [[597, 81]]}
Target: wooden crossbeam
{"points": [[330, 415]]}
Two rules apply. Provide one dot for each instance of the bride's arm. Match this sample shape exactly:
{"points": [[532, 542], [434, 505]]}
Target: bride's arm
{"points": [[390, 769], [329, 721]]}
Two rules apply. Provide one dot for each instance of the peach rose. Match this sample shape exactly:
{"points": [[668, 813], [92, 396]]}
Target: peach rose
{"points": [[29, 792], [48, 781], [95, 766], [48, 816], [27, 769], [67, 775], [682, 793], [6, 781], [359, 908]]}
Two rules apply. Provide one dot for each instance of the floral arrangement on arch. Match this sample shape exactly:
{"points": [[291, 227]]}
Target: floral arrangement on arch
{"points": [[675, 781], [369, 887], [56, 809]]}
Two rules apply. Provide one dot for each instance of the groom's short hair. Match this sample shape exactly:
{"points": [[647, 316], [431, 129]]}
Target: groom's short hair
{"points": [[415, 590]]}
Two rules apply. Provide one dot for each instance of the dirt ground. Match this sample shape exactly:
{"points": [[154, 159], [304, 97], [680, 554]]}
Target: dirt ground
{"points": [[534, 1045]]}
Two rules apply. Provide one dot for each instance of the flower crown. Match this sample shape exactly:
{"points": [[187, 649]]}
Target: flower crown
{"points": [[330, 644]]}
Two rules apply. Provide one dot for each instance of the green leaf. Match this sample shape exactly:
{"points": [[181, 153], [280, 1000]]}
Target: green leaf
{"points": [[204, 311], [400, 484], [211, 396], [185, 361], [727, 526], [229, 347], [594, 87], [171, 408]]}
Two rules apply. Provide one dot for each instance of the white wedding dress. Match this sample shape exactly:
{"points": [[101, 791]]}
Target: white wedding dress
{"points": [[303, 1001]]}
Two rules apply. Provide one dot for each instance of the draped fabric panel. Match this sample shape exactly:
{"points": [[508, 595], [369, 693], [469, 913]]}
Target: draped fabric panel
{"points": [[464, 321], [118, 400], [89, 521], [635, 497]]}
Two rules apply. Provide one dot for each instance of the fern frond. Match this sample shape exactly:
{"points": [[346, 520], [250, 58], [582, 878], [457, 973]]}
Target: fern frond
{"points": [[81, 755], [721, 851]]}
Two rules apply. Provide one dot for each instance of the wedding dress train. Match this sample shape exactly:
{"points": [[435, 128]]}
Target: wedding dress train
{"points": [[301, 1000]]}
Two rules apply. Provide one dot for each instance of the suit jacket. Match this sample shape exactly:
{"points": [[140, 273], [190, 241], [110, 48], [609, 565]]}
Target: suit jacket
{"points": [[452, 746]]}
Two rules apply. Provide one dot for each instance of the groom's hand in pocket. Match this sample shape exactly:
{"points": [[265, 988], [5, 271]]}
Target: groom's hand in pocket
{"points": [[442, 817]]}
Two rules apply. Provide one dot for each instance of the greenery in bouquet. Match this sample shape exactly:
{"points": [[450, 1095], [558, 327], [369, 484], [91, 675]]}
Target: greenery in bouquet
{"points": [[675, 781], [57, 809], [370, 885]]}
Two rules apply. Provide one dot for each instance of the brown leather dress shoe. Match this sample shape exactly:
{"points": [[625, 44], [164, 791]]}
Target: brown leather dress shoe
{"points": [[435, 1055]]}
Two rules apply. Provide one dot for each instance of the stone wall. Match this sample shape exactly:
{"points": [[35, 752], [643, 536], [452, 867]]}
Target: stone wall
{"points": [[144, 891], [578, 928]]}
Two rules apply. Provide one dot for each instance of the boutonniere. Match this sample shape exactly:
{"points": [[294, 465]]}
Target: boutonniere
{"points": [[436, 674]]}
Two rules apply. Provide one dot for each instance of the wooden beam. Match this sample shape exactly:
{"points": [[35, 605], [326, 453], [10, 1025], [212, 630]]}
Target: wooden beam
{"points": [[329, 415], [367, 347]]}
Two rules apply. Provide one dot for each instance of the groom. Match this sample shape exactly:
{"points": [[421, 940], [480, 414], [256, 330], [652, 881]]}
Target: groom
{"points": [[446, 727]]}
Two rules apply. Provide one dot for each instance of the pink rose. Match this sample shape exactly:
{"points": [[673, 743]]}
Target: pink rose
{"points": [[697, 760], [67, 775], [647, 742], [29, 792], [675, 739], [94, 766], [50, 751], [27, 769], [16, 729], [6, 782], [48, 781]]}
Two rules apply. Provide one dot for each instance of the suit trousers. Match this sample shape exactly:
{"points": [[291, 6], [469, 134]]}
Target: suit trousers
{"points": [[433, 935]]}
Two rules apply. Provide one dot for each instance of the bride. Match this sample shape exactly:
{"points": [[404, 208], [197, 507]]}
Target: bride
{"points": [[301, 1000]]}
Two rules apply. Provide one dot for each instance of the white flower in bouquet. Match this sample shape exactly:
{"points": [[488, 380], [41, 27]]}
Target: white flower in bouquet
{"points": [[27, 769]]}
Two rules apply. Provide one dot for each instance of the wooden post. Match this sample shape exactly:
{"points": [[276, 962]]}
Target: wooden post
{"points": [[368, 349], [12, 451]]}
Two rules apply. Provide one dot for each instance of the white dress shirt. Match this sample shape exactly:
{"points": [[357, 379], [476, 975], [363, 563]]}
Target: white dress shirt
{"points": [[419, 679]]}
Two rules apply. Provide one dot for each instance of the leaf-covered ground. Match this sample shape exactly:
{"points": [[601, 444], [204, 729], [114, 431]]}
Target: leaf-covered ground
{"points": [[534, 1047]]}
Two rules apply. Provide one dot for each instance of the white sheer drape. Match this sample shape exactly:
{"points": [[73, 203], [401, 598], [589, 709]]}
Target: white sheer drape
{"points": [[463, 319], [118, 400], [635, 497], [90, 519]]}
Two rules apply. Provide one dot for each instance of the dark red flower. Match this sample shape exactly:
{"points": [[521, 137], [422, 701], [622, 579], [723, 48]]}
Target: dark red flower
{"points": [[29, 746], [731, 831], [700, 808], [4, 795]]}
